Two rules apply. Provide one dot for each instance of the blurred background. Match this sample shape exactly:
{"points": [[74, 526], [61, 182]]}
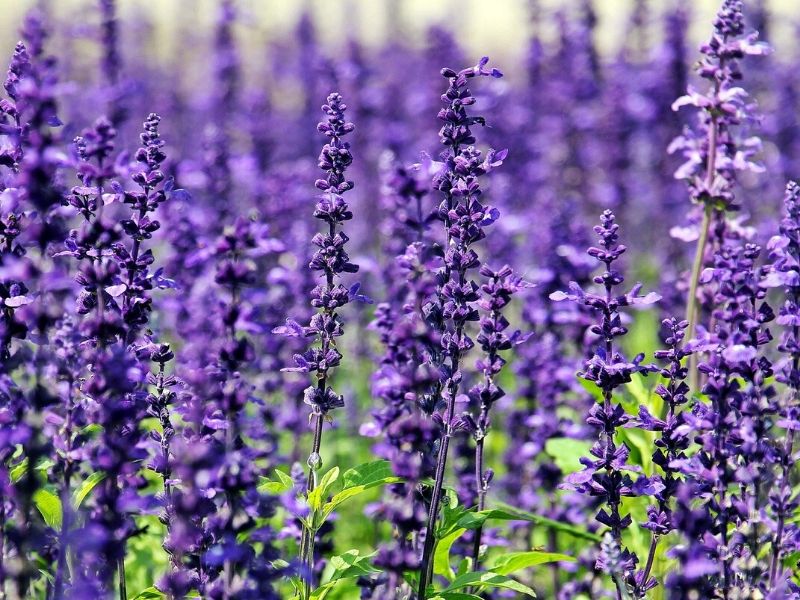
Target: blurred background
{"points": [[499, 28]]}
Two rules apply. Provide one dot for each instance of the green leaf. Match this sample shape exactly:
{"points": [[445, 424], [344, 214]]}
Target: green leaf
{"points": [[593, 390], [640, 444], [441, 556], [360, 479], [18, 470], [50, 506], [455, 596], [47, 575], [92, 429], [346, 566], [515, 561], [488, 579], [473, 520], [566, 453], [318, 495], [449, 520], [150, 593], [791, 560], [282, 485], [369, 473], [85, 488]]}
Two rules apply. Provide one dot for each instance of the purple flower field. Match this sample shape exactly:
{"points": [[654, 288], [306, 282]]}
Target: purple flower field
{"points": [[386, 322]]}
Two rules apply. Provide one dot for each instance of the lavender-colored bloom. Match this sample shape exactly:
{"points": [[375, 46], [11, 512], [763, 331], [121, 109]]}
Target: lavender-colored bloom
{"points": [[784, 272], [464, 218], [329, 297], [135, 262], [606, 476], [671, 444], [497, 291], [736, 452], [717, 149]]}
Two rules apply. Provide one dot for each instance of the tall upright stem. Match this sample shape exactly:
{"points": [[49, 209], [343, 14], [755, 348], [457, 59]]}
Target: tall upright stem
{"points": [[692, 307]]}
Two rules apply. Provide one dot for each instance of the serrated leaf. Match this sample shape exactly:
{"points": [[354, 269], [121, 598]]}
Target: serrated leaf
{"points": [[49, 505], [150, 593], [85, 488], [441, 556], [566, 453], [516, 561], [488, 579]]}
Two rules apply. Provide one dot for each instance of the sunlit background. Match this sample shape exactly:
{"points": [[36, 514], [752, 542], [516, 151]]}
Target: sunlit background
{"points": [[497, 27]]}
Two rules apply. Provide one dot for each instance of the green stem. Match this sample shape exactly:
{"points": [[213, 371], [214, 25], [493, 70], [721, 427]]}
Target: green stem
{"points": [[692, 308]]}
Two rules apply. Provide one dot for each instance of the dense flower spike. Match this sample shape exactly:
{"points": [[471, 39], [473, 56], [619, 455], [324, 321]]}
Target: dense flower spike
{"points": [[718, 148], [496, 293], [606, 475], [453, 307], [784, 272], [328, 297]]}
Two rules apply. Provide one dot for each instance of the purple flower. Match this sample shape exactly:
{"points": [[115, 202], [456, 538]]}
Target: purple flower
{"points": [[606, 476]]}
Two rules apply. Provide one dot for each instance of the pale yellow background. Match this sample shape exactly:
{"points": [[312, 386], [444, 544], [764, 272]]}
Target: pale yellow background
{"points": [[494, 27]]}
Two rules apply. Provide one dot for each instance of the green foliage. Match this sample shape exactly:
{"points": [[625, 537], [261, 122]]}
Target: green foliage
{"points": [[483, 580], [150, 593], [566, 453], [473, 520], [85, 488], [517, 561], [349, 565], [49, 505]]}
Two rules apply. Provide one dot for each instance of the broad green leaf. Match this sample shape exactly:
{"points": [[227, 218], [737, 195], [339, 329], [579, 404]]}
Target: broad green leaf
{"points": [[317, 496], [368, 474], [360, 479], [346, 566], [515, 561], [464, 566], [85, 488], [488, 579], [282, 485], [473, 520], [351, 564], [50, 506], [449, 520], [791, 560], [441, 556], [150, 593], [455, 596], [566, 453]]}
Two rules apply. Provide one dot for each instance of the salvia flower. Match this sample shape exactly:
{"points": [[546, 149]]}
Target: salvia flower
{"points": [[606, 475], [784, 272], [330, 259], [493, 338], [454, 306]]}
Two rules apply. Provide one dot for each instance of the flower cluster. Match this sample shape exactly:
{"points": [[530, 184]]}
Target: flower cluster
{"points": [[606, 475]]}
